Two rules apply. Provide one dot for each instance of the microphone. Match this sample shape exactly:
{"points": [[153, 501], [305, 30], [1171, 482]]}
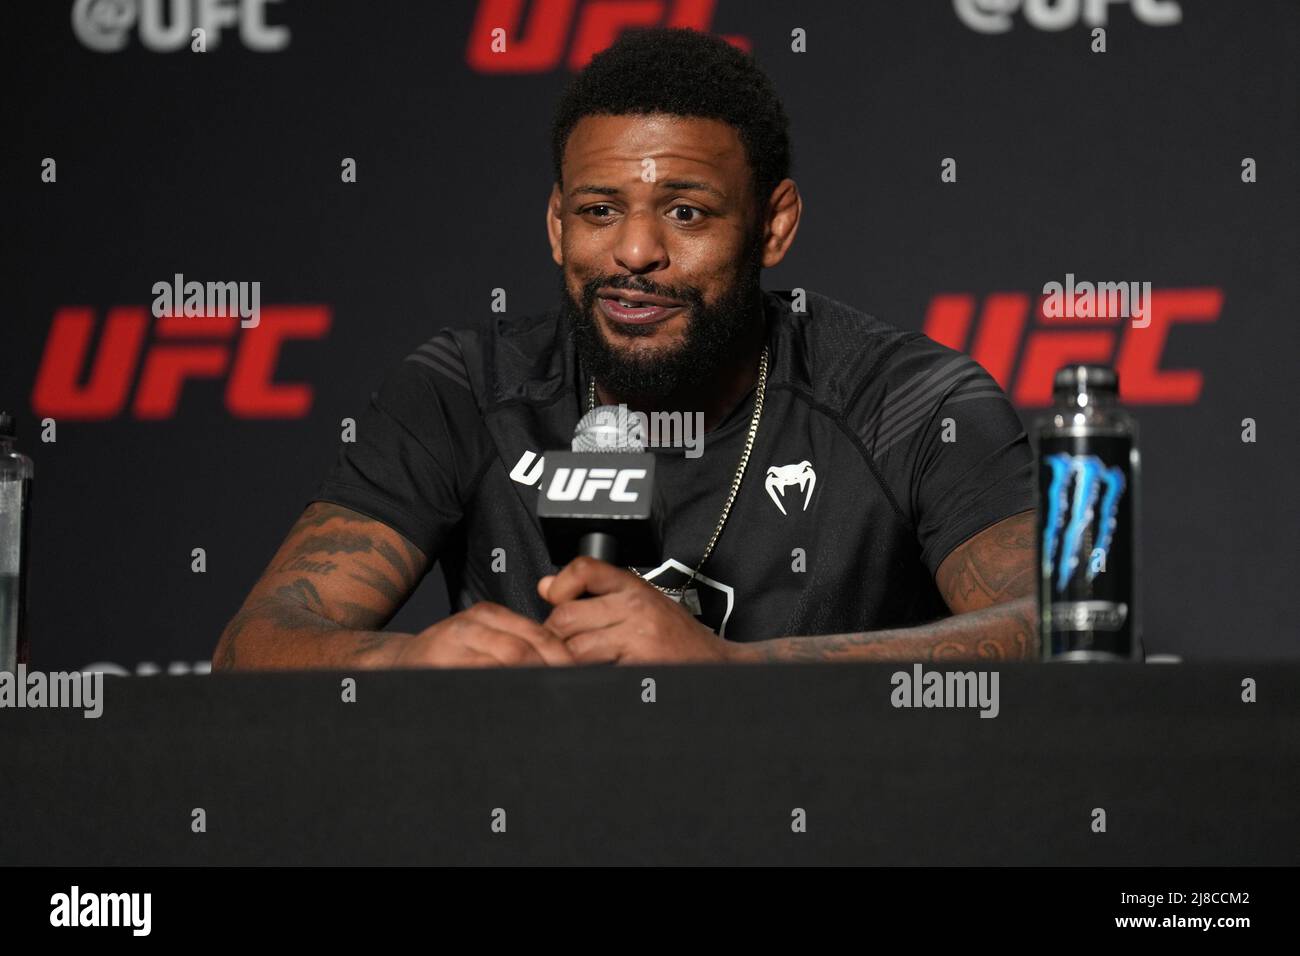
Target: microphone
{"points": [[598, 498]]}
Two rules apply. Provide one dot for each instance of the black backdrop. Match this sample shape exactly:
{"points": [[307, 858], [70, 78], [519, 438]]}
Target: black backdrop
{"points": [[1123, 165]]}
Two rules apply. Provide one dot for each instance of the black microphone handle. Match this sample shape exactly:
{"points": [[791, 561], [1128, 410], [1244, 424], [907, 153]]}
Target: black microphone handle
{"points": [[598, 544]]}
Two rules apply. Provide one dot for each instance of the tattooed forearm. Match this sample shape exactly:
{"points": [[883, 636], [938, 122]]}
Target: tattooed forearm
{"points": [[280, 625], [335, 582], [329, 540], [302, 564], [371, 642], [1004, 632], [987, 582], [301, 592], [994, 566], [378, 581]]}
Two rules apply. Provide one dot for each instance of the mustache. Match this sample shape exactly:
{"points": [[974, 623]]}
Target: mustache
{"points": [[681, 293]]}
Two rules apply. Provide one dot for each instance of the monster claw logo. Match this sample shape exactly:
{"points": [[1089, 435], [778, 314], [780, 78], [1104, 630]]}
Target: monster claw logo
{"points": [[1079, 480]]}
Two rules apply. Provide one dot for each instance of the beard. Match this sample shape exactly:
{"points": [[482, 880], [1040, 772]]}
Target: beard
{"points": [[712, 334]]}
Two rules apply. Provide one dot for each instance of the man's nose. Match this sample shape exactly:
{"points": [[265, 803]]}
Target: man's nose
{"points": [[640, 247]]}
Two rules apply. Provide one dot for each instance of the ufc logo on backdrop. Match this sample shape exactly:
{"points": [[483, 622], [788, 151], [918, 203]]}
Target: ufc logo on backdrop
{"points": [[164, 26], [570, 484], [82, 381], [504, 40], [997, 336], [994, 16]]}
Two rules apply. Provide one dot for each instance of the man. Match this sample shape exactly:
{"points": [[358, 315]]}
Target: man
{"points": [[886, 485]]}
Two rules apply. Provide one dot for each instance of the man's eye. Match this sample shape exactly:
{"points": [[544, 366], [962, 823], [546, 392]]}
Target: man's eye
{"points": [[681, 213]]}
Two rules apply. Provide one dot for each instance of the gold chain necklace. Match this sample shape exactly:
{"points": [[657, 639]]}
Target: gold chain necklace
{"points": [[759, 391]]}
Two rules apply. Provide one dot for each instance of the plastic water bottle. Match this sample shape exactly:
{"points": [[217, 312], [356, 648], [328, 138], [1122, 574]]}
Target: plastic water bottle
{"points": [[15, 523]]}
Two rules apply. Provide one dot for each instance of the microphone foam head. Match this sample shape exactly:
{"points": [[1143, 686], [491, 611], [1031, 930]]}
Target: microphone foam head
{"points": [[609, 428]]}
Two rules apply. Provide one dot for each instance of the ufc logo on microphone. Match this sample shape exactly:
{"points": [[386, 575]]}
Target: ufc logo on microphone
{"points": [[582, 484]]}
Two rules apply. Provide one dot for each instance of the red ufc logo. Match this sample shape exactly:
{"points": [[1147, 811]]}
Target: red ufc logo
{"points": [[1053, 342], [501, 41], [182, 348]]}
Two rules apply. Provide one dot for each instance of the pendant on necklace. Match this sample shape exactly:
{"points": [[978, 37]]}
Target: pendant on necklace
{"points": [[689, 600]]}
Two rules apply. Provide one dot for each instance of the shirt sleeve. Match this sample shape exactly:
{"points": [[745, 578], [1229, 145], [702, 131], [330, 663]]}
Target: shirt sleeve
{"points": [[954, 446], [410, 464]]}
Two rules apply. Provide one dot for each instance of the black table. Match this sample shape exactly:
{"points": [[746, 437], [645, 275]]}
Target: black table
{"points": [[711, 772]]}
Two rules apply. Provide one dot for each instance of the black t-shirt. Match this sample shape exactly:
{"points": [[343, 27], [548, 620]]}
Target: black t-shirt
{"points": [[878, 452]]}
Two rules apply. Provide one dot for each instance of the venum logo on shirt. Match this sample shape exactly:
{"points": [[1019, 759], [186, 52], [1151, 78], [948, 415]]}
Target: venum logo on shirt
{"points": [[780, 477]]}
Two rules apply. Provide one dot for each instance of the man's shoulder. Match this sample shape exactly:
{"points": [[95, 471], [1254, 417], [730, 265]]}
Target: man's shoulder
{"points": [[850, 359], [878, 379], [504, 360]]}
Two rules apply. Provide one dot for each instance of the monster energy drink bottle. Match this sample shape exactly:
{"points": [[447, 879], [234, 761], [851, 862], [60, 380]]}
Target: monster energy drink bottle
{"points": [[15, 517], [1087, 513]]}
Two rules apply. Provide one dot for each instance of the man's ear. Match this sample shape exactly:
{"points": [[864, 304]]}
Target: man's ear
{"points": [[784, 209], [555, 224]]}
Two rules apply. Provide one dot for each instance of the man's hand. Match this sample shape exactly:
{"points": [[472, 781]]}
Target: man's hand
{"points": [[628, 621], [485, 635]]}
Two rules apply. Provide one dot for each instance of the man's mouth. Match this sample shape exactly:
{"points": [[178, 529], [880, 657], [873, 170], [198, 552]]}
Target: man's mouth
{"points": [[639, 308]]}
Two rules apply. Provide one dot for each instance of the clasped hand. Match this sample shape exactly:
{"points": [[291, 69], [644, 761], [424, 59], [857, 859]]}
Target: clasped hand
{"points": [[599, 614]]}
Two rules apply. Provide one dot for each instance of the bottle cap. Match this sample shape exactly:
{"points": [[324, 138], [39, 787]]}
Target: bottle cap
{"points": [[6, 425], [1075, 380]]}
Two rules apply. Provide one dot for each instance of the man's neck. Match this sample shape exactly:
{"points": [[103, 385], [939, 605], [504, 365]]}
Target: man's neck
{"points": [[716, 397]]}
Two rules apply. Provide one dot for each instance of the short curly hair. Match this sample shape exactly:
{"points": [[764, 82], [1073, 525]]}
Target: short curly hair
{"points": [[682, 72]]}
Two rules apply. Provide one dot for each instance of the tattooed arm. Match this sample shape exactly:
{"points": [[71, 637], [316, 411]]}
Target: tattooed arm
{"points": [[337, 581], [988, 582]]}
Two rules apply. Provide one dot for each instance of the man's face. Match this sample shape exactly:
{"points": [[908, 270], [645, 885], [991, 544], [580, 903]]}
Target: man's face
{"points": [[657, 233]]}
